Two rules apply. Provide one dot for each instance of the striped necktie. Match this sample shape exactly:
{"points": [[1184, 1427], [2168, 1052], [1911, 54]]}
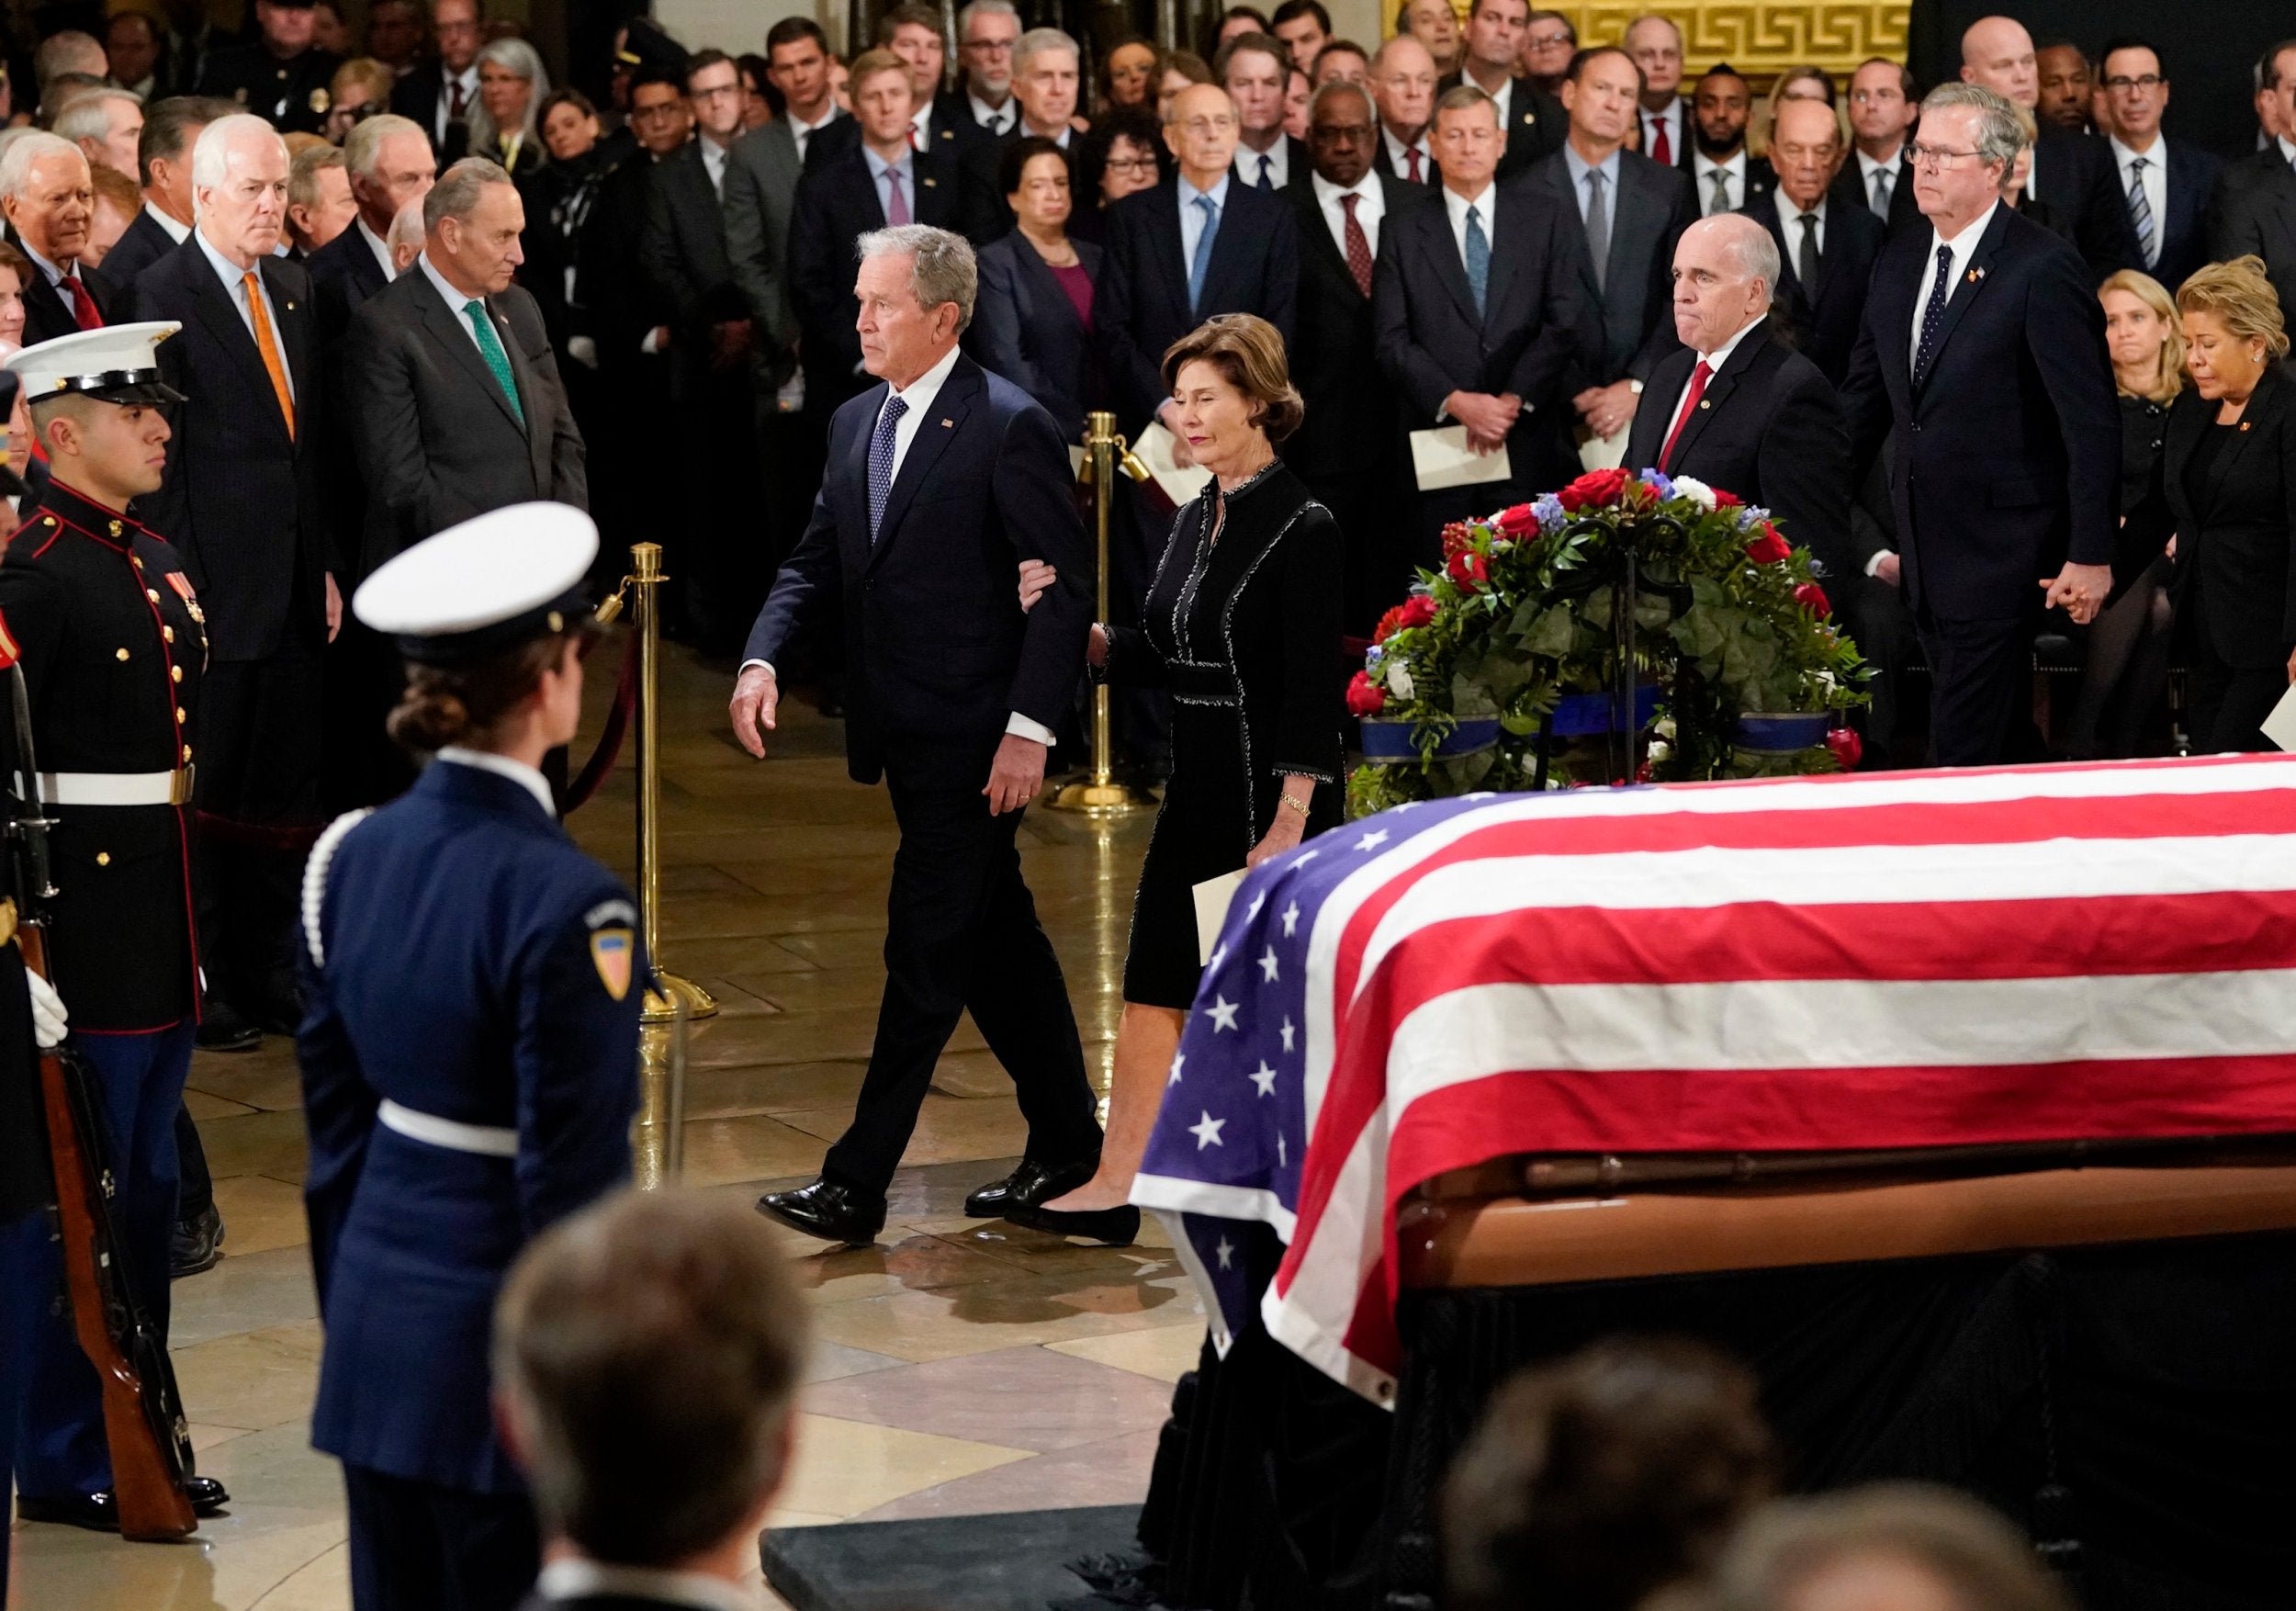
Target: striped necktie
{"points": [[2140, 212]]}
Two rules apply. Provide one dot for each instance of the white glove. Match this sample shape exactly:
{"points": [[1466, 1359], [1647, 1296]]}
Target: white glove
{"points": [[49, 1020]]}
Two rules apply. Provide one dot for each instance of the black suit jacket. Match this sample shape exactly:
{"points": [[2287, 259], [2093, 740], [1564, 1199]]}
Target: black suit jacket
{"points": [[837, 202], [344, 273], [1432, 342], [1850, 187], [2075, 174], [681, 251], [242, 498], [2238, 556], [1628, 321], [2255, 212], [1430, 173], [987, 214], [1536, 123], [2008, 460], [143, 244], [48, 315], [1298, 163], [947, 132], [1025, 329], [437, 441], [1825, 328], [1768, 428], [1141, 307], [938, 651], [416, 97], [2193, 175], [1351, 421]]}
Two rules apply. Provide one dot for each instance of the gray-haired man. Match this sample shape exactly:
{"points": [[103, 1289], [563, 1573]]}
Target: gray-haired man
{"points": [[951, 695]]}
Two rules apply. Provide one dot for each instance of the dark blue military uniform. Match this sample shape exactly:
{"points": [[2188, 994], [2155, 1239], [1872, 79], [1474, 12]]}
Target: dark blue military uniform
{"points": [[469, 1059], [291, 94], [112, 641]]}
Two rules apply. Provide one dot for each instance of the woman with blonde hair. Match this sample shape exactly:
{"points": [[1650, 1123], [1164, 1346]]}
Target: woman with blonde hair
{"points": [[2228, 476], [2124, 679], [1795, 83]]}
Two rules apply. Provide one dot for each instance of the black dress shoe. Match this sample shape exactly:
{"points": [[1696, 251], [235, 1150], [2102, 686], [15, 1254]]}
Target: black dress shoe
{"points": [[96, 1512], [827, 1210], [1115, 1227], [207, 1495], [223, 1029], [1030, 1184], [196, 1245]]}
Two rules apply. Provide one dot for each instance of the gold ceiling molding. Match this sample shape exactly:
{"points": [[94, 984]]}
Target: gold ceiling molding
{"points": [[1759, 39]]}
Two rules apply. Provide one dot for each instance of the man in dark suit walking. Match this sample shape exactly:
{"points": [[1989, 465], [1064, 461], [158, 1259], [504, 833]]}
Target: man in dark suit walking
{"points": [[1736, 409], [2254, 210], [942, 478], [1882, 112], [876, 183], [1477, 321], [49, 198], [164, 168], [1345, 450], [2166, 185], [2072, 172], [241, 502], [1623, 213], [454, 400], [1982, 348], [1827, 245], [1489, 60]]}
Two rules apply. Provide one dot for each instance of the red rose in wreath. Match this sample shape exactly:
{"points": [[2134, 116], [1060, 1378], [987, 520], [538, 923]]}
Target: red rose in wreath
{"points": [[1416, 611], [1726, 499], [1595, 490], [1848, 748], [1769, 549], [1364, 697], [1470, 569], [1516, 520], [1812, 597]]}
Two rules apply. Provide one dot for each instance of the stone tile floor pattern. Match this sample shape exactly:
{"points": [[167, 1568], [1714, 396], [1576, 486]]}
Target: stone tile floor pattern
{"points": [[960, 1367]]}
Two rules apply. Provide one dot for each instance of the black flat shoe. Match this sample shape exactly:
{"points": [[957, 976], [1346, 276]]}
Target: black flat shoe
{"points": [[196, 1245], [1115, 1227], [223, 1029], [1030, 1183], [827, 1210]]}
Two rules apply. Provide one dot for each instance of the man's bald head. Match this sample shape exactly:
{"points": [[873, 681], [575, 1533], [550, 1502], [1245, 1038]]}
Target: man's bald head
{"points": [[1726, 268], [1997, 52], [1403, 86], [1806, 150]]}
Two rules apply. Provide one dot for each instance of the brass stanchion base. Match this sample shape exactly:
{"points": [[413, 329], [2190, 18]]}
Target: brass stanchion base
{"points": [[661, 1005], [1096, 797]]}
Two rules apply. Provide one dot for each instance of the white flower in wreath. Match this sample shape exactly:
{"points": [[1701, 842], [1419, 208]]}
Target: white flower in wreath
{"points": [[1696, 491], [1399, 681]]}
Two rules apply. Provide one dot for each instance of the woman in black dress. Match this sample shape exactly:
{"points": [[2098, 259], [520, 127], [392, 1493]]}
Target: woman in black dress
{"points": [[2229, 475], [1243, 627]]}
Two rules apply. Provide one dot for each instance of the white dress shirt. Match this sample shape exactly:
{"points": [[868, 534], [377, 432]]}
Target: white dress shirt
{"points": [[995, 119], [1061, 138], [2287, 149], [2156, 178], [1733, 170], [377, 245], [918, 396], [1371, 208], [1278, 158], [1714, 362], [802, 132], [1867, 167], [582, 1580], [1790, 221], [235, 287], [456, 301], [1192, 215], [1501, 101], [1672, 119], [51, 272], [503, 766], [713, 164], [1964, 245], [921, 137], [1401, 162], [179, 233]]}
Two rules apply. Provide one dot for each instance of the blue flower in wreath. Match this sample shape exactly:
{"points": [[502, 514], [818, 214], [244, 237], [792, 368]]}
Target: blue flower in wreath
{"points": [[1659, 481], [1551, 512], [1749, 517]]}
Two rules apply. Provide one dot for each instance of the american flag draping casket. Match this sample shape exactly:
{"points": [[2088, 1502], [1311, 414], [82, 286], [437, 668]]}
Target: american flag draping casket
{"points": [[1877, 961]]}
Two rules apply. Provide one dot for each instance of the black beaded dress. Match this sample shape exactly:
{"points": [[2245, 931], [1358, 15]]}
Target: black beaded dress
{"points": [[1241, 626]]}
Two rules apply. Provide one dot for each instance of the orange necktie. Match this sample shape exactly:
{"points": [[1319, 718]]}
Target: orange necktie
{"points": [[269, 347]]}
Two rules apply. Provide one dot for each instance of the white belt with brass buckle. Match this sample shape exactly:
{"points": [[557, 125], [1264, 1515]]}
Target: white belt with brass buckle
{"points": [[451, 1134], [115, 788]]}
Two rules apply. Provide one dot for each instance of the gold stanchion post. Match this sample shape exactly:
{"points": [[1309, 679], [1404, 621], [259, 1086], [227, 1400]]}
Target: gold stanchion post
{"points": [[668, 997], [1099, 792]]}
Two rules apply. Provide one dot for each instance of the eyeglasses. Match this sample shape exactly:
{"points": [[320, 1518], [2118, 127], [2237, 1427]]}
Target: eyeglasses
{"points": [[990, 47], [1549, 41], [660, 113], [1132, 165], [1200, 127], [2121, 83], [710, 94], [1935, 156]]}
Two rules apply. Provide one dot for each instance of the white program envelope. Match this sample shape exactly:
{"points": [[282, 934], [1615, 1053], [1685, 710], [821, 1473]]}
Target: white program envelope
{"points": [[1180, 483], [1605, 453], [1212, 898], [1442, 458], [2281, 726]]}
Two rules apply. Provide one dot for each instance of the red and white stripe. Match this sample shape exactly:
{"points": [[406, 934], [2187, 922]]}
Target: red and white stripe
{"points": [[1901, 959]]}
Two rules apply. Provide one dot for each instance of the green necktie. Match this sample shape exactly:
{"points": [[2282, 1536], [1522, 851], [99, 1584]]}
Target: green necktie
{"points": [[491, 346]]}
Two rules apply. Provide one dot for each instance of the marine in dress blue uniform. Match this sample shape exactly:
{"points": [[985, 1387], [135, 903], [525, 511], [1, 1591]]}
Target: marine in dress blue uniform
{"points": [[469, 1054], [112, 641]]}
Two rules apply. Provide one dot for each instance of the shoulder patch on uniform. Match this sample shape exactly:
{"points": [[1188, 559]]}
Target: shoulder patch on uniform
{"points": [[9, 653], [315, 877], [612, 951], [613, 911]]}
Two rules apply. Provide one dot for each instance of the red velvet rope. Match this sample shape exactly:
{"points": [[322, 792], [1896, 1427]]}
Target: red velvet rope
{"points": [[609, 749]]}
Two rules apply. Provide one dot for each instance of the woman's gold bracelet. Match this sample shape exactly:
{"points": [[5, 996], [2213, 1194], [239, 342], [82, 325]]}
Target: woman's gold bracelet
{"points": [[1299, 805]]}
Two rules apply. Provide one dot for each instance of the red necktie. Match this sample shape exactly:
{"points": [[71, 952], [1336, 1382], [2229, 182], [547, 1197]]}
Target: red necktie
{"points": [[1698, 379], [84, 312], [1358, 244], [1413, 154], [1662, 152], [455, 100]]}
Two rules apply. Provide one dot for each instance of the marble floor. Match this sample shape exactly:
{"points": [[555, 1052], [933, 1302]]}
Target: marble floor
{"points": [[960, 1367]]}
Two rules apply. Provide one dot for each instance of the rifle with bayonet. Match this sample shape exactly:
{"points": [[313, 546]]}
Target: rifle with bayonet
{"points": [[143, 1414]]}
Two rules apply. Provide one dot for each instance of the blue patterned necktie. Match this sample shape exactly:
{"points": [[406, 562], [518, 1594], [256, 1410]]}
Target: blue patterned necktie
{"points": [[2140, 211], [1202, 266], [1478, 258], [881, 461], [1933, 315]]}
